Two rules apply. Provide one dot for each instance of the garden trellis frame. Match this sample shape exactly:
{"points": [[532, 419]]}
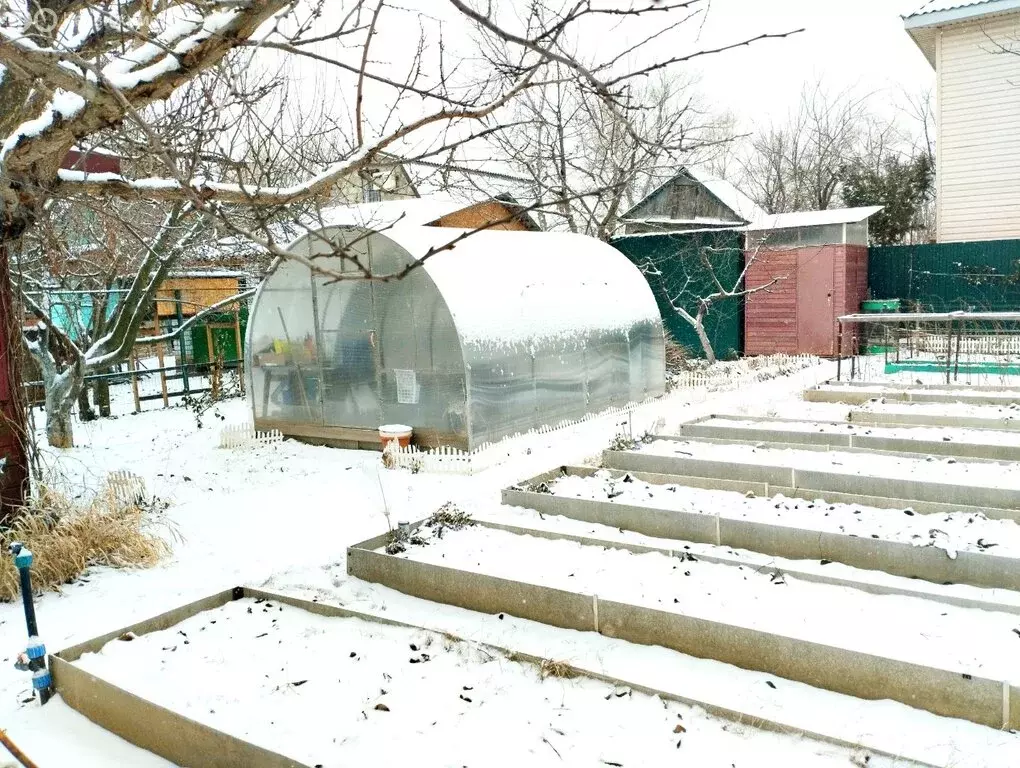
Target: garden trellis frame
{"points": [[988, 342]]}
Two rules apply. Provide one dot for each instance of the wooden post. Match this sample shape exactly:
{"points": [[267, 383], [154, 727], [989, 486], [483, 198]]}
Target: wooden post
{"points": [[182, 362], [162, 366], [133, 369]]}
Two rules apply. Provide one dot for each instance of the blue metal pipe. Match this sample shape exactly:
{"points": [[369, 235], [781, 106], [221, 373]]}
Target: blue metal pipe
{"points": [[36, 650]]}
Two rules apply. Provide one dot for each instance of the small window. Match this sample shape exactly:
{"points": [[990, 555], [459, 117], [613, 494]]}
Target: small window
{"points": [[371, 195]]}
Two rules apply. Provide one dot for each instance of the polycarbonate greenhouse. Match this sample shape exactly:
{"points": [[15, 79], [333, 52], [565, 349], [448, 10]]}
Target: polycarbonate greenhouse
{"points": [[505, 332]]}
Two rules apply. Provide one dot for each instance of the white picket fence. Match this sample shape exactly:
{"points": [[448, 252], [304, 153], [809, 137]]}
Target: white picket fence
{"points": [[992, 344], [126, 485], [246, 436], [727, 376]]}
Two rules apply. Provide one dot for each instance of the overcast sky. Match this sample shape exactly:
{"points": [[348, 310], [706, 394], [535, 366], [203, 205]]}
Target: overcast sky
{"points": [[858, 43]]}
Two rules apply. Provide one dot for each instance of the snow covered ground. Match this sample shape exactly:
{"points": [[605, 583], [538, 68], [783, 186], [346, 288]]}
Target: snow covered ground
{"points": [[281, 517], [954, 532]]}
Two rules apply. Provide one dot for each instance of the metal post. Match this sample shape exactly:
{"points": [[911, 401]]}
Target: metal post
{"points": [[839, 351], [949, 350], [182, 362], [956, 365], [35, 653], [239, 345]]}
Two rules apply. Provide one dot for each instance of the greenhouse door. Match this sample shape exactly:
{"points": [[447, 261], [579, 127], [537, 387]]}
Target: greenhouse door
{"points": [[349, 345]]}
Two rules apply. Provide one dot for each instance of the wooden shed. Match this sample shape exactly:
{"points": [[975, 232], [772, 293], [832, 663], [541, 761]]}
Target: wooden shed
{"points": [[806, 269]]}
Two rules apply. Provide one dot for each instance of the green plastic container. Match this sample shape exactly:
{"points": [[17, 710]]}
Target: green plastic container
{"points": [[875, 306]]}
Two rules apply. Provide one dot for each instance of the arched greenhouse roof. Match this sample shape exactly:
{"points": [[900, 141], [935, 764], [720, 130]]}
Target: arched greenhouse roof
{"points": [[508, 288]]}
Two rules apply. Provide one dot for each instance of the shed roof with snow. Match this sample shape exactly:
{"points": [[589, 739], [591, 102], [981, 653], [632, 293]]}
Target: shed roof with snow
{"points": [[502, 332], [692, 199]]}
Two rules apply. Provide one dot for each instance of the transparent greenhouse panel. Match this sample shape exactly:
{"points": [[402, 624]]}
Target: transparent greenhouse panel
{"points": [[502, 396], [285, 365], [602, 360], [349, 354], [560, 384]]}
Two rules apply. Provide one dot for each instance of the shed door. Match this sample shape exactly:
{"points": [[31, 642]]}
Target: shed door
{"points": [[815, 284]]}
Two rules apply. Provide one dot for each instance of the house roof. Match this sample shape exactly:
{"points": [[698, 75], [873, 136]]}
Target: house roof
{"points": [[813, 218], [728, 194], [723, 191], [923, 22]]}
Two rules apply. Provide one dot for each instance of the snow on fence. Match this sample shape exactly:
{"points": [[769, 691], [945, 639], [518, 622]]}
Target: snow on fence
{"points": [[727, 376], [245, 436]]}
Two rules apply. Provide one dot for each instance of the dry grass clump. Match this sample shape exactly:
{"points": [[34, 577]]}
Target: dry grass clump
{"points": [[560, 669], [66, 538], [677, 357]]}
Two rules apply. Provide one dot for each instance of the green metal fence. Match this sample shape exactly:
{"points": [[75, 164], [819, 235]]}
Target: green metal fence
{"points": [[944, 277], [674, 269]]}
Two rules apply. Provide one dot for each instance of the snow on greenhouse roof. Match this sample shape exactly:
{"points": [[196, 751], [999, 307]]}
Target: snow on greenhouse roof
{"points": [[513, 287], [813, 218]]}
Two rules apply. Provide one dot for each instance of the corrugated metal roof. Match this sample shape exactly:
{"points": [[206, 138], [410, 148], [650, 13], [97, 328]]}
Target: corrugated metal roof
{"points": [[933, 6], [949, 11], [813, 218]]}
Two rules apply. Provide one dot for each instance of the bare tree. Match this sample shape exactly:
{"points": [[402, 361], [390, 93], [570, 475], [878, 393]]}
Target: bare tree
{"points": [[797, 165], [695, 283], [115, 68]]}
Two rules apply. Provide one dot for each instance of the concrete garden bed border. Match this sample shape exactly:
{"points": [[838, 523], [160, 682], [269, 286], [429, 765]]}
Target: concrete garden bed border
{"points": [[929, 564], [839, 394], [886, 492], [894, 419], [901, 446], [886, 384], [854, 673], [189, 743]]}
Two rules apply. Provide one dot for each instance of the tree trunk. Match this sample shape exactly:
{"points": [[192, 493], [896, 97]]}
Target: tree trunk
{"points": [[706, 344], [101, 395], [59, 430], [85, 410]]}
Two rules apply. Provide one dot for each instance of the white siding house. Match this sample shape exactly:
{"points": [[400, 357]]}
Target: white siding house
{"points": [[975, 49]]}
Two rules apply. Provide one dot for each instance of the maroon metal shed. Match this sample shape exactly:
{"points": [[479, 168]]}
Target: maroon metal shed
{"points": [[809, 268]]}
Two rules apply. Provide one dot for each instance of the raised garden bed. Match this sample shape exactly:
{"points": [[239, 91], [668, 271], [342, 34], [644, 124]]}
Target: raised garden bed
{"points": [[935, 485], [271, 681], [953, 415], [822, 635], [959, 548], [859, 395], [971, 443]]}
